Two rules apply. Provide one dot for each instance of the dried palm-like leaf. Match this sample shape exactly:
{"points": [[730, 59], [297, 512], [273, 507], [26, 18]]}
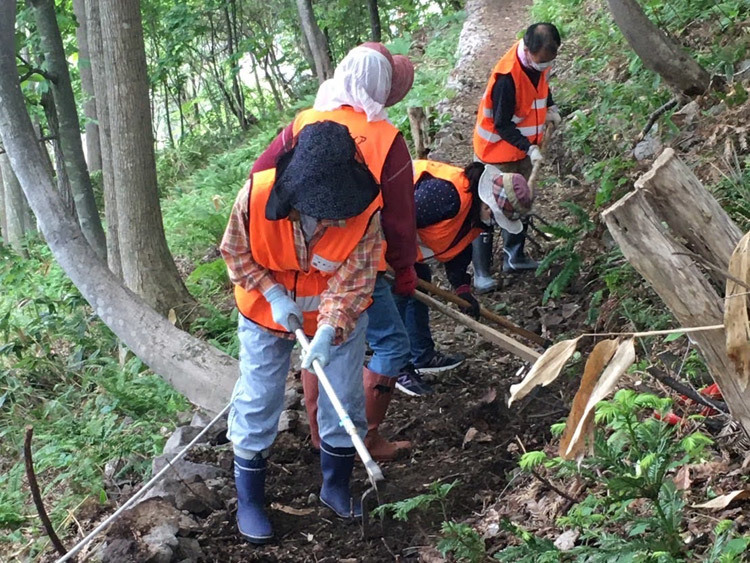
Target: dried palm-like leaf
{"points": [[545, 370], [723, 501], [622, 360], [600, 357], [735, 311]]}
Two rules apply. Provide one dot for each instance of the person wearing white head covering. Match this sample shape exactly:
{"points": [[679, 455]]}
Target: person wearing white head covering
{"points": [[368, 80]]}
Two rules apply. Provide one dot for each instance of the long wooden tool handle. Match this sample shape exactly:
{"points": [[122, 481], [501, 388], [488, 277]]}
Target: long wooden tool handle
{"points": [[490, 334], [485, 313]]}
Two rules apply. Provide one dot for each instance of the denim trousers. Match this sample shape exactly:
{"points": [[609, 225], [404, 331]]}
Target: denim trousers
{"points": [[416, 317], [258, 396], [386, 333]]}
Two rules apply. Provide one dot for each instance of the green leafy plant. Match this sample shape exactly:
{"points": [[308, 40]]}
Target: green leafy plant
{"points": [[401, 509], [637, 509], [462, 541]]}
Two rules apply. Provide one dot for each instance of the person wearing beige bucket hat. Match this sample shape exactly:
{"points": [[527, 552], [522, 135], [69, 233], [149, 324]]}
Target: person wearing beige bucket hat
{"points": [[365, 83]]}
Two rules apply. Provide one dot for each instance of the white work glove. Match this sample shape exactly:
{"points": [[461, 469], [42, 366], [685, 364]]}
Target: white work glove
{"points": [[320, 347], [553, 116], [282, 306], [535, 154]]}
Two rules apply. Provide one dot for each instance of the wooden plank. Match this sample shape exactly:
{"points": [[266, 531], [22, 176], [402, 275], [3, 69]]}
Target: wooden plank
{"points": [[484, 312], [489, 334]]}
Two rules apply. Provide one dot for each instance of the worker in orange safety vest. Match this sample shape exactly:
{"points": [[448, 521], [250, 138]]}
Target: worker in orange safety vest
{"points": [[515, 108]]}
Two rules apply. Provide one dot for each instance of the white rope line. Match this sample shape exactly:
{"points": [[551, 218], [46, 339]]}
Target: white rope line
{"points": [[131, 501]]}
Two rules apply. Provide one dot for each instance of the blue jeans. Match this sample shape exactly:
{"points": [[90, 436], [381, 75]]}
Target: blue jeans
{"points": [[416, 317], [258, 396], [386, 333]]}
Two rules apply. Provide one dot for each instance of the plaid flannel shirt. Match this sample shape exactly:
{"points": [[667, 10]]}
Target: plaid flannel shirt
{"points": [[350, 288]]}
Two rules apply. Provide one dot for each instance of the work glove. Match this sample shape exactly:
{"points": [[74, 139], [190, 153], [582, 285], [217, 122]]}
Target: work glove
{"points": [[464, 292], [282, 306], [320, 347], [535, 154], [553, 116], [406, 281]]}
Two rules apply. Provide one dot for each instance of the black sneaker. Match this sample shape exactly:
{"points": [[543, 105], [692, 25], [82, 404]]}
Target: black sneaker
{"points": [[441, 362], [411, 383]]}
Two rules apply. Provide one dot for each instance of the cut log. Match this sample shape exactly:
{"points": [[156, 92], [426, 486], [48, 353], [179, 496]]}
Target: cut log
{"points": [[642, 231], [489, 334], [690, 211]]}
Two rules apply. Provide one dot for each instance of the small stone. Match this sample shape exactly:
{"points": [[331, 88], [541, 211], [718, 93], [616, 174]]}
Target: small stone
{"points": [[160, 542], [200, 419], [181, 438], [189, 550], [567, 540], [184, 417], [287, 420], [187, 470], [197, 499], [312, 499], [647, 148], [686, 114], [291, 398], [113, 467]]}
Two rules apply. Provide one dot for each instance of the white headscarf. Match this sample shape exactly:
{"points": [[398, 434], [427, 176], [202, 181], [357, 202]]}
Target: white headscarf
{"points": [[361, 80]]}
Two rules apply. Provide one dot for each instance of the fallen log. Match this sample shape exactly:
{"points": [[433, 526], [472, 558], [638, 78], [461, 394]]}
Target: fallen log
{"points": [[484, 312]]}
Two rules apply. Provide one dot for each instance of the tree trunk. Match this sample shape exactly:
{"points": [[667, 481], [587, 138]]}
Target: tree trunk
{"points": [[166, 113], [419, 130], [147, 265], [99, 75], [316, 40], [59, 170], [93, 145], [70, 127], [649, 236], [658, 51], [3, 217], [375, 31], [202, 373], [16, 206]]}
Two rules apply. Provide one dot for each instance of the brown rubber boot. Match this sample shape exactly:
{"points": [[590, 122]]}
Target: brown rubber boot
{"points": [[310, 389], [378, 394]]}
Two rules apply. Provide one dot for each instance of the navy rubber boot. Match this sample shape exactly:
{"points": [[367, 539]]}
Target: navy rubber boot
{"points": [[250, 480], [515, 258], [337, 464], [481, 258]]}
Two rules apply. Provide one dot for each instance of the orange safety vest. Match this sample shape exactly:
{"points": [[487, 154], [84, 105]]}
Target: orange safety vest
{"points": [[529, 114], [446, 239], [373, 139], [273, 247]]}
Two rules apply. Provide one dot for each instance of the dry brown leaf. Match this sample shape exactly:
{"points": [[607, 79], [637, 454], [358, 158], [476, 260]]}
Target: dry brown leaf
{"points": [[172, 317], [291, 510], [723, 501], [735, 312], [469, 436], [600, 356], [622, 360], [489, 396], [682, 480], [545, 370]]}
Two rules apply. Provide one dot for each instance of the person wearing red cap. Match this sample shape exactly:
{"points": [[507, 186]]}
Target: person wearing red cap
{"points": [[514, 110], [365, 83], [454, 205]]}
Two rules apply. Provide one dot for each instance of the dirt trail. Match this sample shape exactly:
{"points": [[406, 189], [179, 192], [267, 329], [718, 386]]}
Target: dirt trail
{"points": [[463, 432]]}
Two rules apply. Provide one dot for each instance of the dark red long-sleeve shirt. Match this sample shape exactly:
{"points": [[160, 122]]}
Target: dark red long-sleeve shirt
{"points": [[397, 185]]}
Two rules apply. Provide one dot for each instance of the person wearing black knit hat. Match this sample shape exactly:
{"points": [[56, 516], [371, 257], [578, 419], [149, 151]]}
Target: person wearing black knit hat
{"points": [[302, 248]]}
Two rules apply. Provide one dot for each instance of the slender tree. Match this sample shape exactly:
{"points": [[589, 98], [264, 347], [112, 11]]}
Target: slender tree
{"points": [[70, 128], [17, 216], [201, 372], [3, 217], [315, 40], [93, 145], [147, 265], [375, 30], [99, 80], [657, 50]]}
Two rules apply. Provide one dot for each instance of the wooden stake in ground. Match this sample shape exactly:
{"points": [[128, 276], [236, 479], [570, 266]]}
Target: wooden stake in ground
{"points": [[670, 202]]}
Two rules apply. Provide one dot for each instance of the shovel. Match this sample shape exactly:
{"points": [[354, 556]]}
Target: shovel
{"points": [[371, 497]]}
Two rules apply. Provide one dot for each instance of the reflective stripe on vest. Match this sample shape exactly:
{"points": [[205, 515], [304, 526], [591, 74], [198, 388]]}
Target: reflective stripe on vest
{"points": [[443, 240], [374, 140], [530, 112], [273, 246]]}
